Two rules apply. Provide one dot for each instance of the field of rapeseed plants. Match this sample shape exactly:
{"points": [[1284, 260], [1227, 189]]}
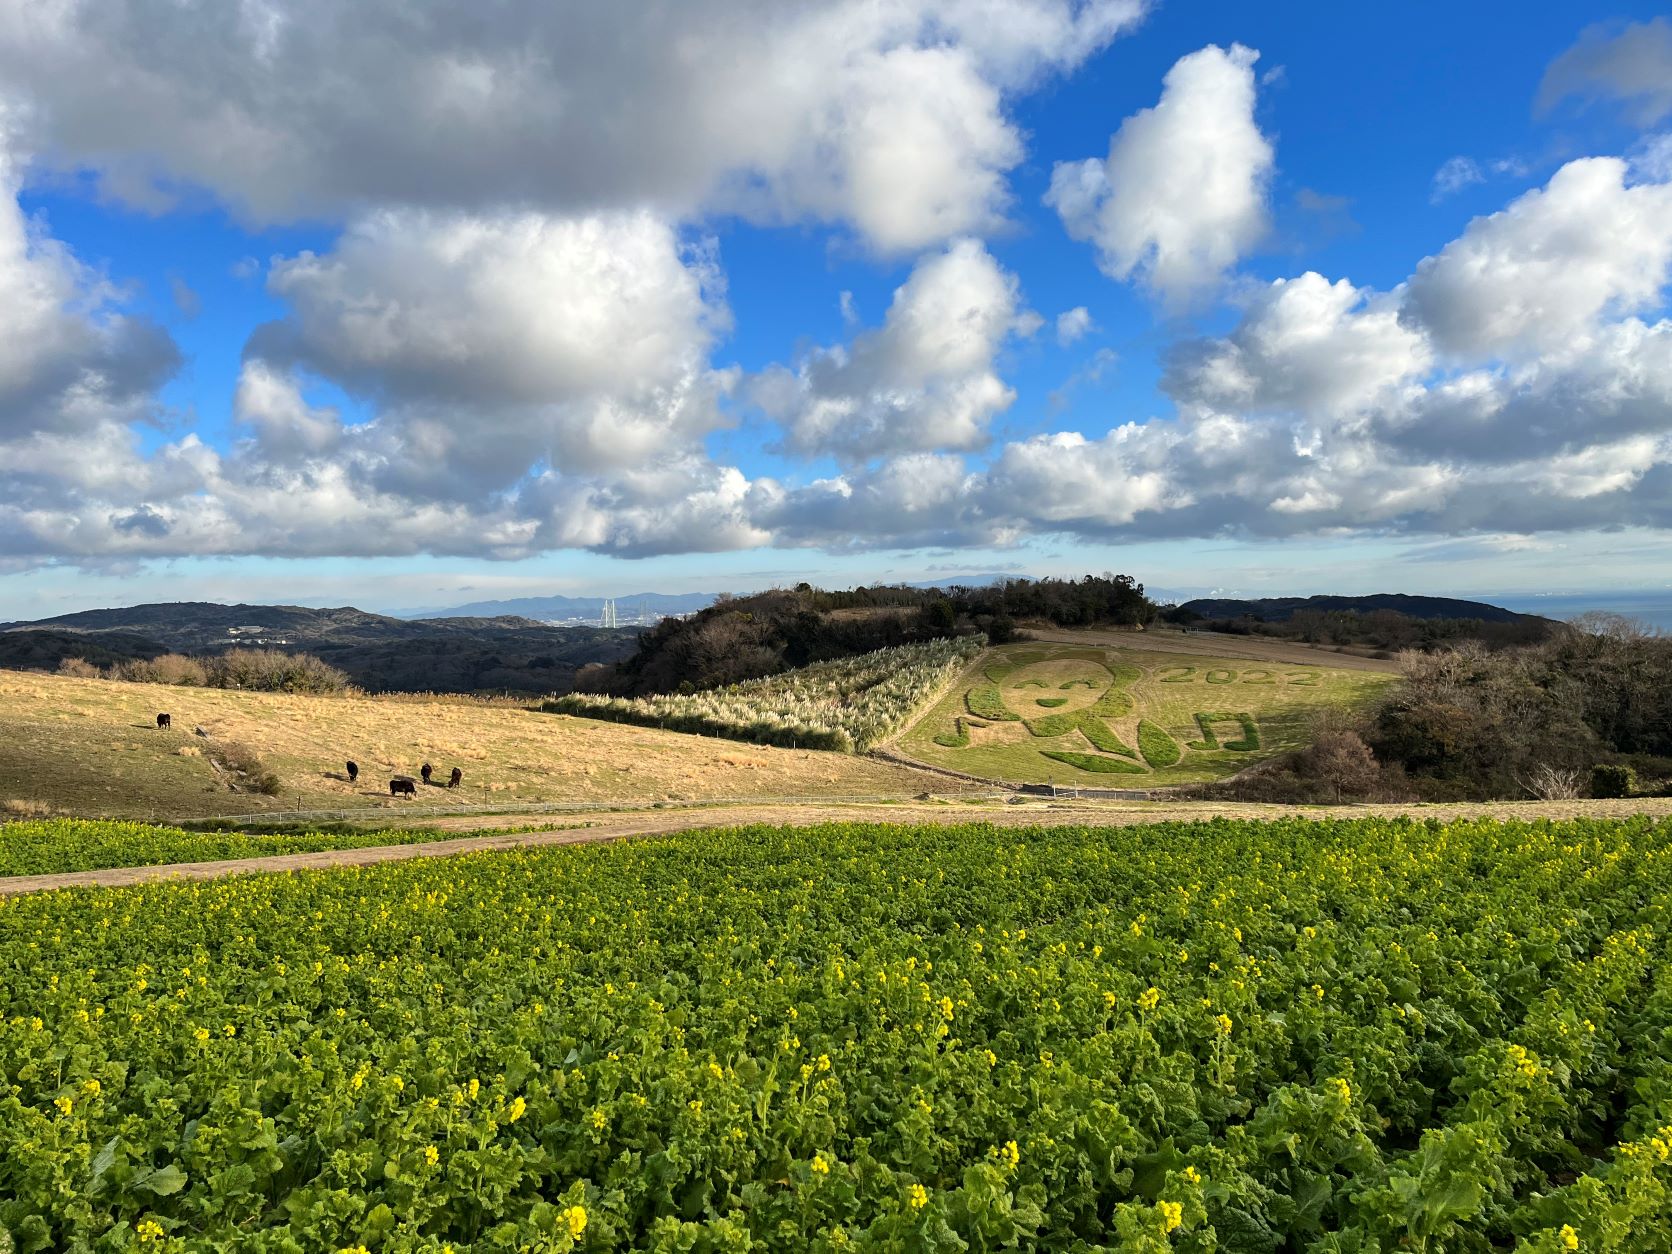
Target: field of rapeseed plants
{"points": [[46, 846], [1336, 1037]]}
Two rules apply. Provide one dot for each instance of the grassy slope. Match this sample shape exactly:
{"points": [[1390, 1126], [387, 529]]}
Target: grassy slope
{"points": [[1008, 751], [91, 748]]}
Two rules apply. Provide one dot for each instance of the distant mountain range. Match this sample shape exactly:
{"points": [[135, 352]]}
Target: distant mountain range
{"points": [[1282, 609], [379, 653], [563, 608]]}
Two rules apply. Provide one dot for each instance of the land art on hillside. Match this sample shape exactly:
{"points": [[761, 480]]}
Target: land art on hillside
{"points": [[1096, 715]]}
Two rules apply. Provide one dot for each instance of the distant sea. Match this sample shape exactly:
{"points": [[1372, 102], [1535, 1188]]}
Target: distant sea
{"points": [[1654, 608]]}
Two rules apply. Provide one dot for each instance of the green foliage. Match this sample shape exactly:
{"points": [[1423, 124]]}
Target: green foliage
{"points": [[1159, 749], [846, 706], [984, 701], [1246, 743], [958, 737], [52, 846], [1091, 762], [1051, 703], [1100, 735], [1353, 1036], [1610, 780]]}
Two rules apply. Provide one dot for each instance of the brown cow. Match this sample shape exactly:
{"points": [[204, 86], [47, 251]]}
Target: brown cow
{"points": [[163, 720], [403, 784], [426, 771], [453, 780]]}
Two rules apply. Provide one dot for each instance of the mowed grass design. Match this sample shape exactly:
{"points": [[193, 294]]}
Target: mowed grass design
{"points": [[91, 747], [1043, 688]]}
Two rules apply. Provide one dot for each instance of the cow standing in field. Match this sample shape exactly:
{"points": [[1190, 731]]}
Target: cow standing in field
{"points": [[164, 720], [403, 784], [353, 772], [426, 771], [453, 780]]}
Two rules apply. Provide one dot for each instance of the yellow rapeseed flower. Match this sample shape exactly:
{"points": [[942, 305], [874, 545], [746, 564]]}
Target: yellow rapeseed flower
{"points": [[431, 1155], [1172, 1215], [1570, 1238], [1148, 999], [1223, 1022], [148, 1230], [574, 1218], [821, 1165], [518, 1106], [918, 1196]]}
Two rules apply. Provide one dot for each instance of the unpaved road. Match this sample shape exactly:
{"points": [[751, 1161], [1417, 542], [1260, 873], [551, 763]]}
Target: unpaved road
{"points": [[620, 826]]}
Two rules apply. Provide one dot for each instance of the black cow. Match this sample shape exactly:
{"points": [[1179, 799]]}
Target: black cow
{"points": [[426, 771], [453, 780], [353, 771], [164, 720], [403, 784]]}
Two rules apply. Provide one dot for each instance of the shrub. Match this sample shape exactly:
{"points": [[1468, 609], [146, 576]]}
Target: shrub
{"points": [[1002, 630], [1159, 749], [1340, 764], [78, 668], [273, 670], [1552, 783], [1610, 780], [237, 758]]}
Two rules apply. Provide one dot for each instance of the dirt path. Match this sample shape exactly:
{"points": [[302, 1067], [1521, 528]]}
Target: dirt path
{"points": [[1213, 644], [655, 822]]}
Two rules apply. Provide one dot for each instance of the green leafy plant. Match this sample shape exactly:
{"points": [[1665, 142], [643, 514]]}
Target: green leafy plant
{"points": [[1159, 748], [1612, 780]]}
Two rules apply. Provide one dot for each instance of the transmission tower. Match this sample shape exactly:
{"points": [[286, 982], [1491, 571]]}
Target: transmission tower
{"points": [[609, 614]]}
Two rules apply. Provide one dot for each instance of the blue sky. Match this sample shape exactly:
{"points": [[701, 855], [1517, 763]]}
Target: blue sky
{"points": [[483, 329]]}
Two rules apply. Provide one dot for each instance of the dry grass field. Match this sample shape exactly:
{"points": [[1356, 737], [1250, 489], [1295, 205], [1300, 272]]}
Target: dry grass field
{"points": [[91, 747]]}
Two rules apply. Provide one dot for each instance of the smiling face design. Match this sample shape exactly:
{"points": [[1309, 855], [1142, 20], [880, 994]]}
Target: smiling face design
{"points": [[1055, 687]]}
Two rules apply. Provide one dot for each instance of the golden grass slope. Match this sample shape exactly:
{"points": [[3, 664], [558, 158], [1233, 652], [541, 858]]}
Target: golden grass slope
{"points": [[91, 747], [1051, 680]]}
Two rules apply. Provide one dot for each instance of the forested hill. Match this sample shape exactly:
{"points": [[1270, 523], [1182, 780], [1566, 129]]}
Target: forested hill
{"points": [[1282, 609], [741, 638]]}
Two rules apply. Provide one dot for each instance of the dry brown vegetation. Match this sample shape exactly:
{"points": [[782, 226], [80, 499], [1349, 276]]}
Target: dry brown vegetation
{"points": [[90, 747]]}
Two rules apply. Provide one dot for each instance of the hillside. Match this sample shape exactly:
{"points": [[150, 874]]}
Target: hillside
{"points": [[379, 653], [1101, 716], [91, 747], [1282, 609]]}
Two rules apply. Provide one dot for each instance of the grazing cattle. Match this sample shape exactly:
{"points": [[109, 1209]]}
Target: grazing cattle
{"points": [[353, 772], [403, 784], [453, 780], [163, 720], [426, 771]]}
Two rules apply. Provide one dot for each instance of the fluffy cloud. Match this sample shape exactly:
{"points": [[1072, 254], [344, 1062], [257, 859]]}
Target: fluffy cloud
{"points": [[70, 360], [1632, 64], [1535, 274], [888, 117], [492, 343], [923, 381], [1072, 324], [1305, 346], [1182, 193]]}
